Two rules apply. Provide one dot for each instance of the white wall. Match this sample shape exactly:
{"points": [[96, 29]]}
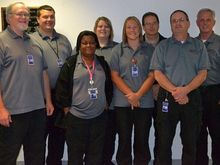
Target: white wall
{"points": [[73, 16]]}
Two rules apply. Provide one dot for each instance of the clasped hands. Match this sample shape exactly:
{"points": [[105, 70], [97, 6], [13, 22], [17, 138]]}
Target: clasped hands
{"points": [[133, 99], [180, 94]]}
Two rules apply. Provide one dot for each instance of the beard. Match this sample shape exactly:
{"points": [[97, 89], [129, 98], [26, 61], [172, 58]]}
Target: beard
{"points": [[22, 27]]}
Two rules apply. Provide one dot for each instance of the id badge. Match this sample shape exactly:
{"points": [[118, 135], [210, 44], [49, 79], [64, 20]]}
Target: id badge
{"points": [[165, 106], [134, 71], [93, 93], [30, 59], [59, 62]]}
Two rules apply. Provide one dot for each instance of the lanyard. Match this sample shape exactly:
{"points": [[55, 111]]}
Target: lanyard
{"points": [[55, 51], [91, 72]]}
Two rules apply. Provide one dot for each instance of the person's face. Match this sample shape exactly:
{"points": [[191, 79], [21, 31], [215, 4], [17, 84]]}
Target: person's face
{"points": [[179, 23], [103, 30], [205, 22], [132, 30], [88, 46], [19, 18], [151, 26], [46, 20]]}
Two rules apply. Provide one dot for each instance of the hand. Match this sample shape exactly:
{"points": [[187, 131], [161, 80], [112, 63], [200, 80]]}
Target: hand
{"points": [[66, 110], [133, 99], [179, 93], [49, 109], [5, 117], [135, 105], [183, 100]]}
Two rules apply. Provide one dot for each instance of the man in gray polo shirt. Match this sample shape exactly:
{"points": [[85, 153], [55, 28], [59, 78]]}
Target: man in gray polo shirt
{"points": [[24, 84], [56, 48], [180, 66], [210, 90]]}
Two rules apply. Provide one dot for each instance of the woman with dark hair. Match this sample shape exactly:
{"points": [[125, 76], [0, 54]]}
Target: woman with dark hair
{"points": [[84, 90]]}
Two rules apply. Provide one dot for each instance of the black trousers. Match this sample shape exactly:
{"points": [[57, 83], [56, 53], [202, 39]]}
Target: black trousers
{"points": [[109, 145], [155, 132], [141, 120], [85, 139], [189, 116], [56, 141], [210, 125], [28, 130], [56, 137]]}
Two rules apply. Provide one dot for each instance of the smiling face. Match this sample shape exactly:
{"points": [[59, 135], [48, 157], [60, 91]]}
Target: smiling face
{"points": [[18, 18], [46, 20], [132, 30], [103, 30], [87, 46], [179, 23], [205, 22]]}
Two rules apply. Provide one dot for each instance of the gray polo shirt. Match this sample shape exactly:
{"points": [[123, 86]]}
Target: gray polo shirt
{"points": [[21, 82], [82, 106], [120, 62], [213, 48], [180, 62], [57, 47], [106, 51]]}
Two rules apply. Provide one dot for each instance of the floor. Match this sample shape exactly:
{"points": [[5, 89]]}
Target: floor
{"points": [[175, 162]]}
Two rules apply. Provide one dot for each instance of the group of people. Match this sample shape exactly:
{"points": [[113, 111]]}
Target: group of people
{"points": [[85, 96]]}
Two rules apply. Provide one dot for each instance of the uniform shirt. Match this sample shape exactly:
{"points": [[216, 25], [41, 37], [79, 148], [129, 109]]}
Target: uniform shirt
{"points": [[160, 38], [106, 51], [82, 106], [122, 55], [57, 47], [213, 48], [180, 62], [21, 82]]}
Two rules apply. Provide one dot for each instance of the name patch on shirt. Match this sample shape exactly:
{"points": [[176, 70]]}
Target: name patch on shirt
{"points": [[30, 59]]}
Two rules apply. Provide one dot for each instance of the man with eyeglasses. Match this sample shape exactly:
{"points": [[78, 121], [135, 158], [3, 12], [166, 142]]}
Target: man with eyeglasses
{"points": [[27, 15], [150, 24], [180, 66], [210, 90], [24, 84], [56, 48]]}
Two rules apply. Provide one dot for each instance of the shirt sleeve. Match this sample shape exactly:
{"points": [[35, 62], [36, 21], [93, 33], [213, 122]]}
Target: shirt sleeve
{"points": [[204, 62], [114, 62], [157, 59]]}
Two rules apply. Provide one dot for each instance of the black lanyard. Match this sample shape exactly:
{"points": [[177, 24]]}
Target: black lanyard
{"points": [[55, 51]]}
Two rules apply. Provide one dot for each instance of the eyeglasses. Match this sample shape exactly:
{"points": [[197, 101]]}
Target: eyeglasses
{"points": [[181, 20], [151, 24], [26, 15]]}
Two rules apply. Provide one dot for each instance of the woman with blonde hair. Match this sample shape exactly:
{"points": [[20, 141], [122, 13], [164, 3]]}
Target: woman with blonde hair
{"points": [[133, 99]]}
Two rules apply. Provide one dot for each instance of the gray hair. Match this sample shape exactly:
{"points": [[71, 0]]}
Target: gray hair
{"points": [[10, 7], [206, 10]]}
